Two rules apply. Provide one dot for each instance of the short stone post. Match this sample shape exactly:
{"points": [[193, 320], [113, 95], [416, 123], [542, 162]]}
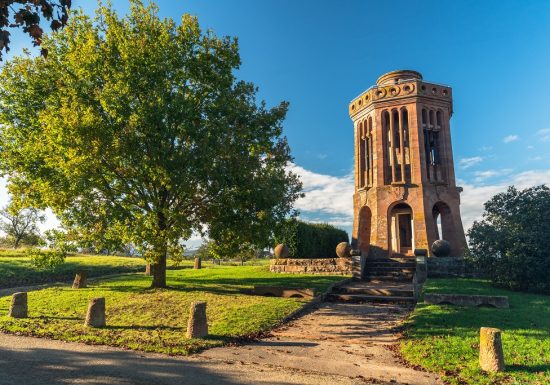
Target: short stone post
{"points": [[421, 265], [198, 263], [491, 356], [80, 280], [197, 326], [96, 313], [19, 307]]}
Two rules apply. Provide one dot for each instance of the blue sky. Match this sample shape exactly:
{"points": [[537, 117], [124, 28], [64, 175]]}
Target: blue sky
{"points": [[318, 55]]}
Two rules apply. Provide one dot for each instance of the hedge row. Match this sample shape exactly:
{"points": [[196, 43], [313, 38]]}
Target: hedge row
{"points": [[310, 240]]}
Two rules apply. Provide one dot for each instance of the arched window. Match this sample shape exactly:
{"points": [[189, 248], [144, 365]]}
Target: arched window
{"points": [[388, 145], [432, 145], [361, 153]]}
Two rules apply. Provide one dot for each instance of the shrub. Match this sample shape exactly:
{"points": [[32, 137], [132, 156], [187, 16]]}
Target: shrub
{"points": [[310, 240], [511, 242], [46, 259]]}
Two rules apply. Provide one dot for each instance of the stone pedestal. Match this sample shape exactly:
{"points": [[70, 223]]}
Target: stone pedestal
{"points": [[18, 308], [96, 313], [491, 356], [197, 325], [198, 263], [80, 280]]}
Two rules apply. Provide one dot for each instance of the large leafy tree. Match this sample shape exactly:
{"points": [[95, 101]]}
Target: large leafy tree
{"points": [[21, 225], [27, 15], [136, 128], [511, 242]]}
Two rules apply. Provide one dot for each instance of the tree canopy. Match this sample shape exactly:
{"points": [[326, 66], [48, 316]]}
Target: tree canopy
{"points": [[511, 242], [136, 128]]}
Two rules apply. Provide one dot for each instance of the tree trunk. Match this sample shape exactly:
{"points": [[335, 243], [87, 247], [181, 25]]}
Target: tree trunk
{"points": [[159, 272]]}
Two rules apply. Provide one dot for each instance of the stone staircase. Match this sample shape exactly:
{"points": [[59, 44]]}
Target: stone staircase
{"points": [[385, 280]]}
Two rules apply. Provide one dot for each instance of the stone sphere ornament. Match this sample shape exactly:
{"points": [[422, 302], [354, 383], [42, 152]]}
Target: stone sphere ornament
{"points": [[441, 248], [281, 251], [343, 250]]}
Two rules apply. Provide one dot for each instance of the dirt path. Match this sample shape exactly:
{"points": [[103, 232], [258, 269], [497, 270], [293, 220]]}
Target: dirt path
{"points": [[335, 344], [349, 340]]}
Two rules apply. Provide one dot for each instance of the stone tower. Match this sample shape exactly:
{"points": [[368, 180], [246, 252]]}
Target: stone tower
{"points": [[405, 192]]}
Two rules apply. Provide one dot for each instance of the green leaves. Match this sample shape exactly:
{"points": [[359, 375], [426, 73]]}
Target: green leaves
{"points": [[135, 128], [510, 243]]}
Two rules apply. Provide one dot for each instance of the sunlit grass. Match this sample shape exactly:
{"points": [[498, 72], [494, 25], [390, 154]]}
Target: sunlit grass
{"points": [[156, 319], [16, 269], [445, 338]]}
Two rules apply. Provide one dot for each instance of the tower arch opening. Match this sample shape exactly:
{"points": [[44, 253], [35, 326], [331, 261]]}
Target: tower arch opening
{"points": [[401, 229], [441, 213]]}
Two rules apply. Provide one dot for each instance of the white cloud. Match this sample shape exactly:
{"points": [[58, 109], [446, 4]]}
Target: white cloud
{"points": [[480, 176], [326, 194], [469, 162], [473, 197], [544, 134], [485, 148], [510, 138]]}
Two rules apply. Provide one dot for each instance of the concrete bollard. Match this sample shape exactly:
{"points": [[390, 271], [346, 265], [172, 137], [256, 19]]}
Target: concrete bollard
{"points": [[491, 356], [19, 307], [95, 317], [198, 263], [197, 326], [80, 280]]}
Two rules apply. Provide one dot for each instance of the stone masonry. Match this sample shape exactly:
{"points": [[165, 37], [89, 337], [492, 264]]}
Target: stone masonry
{"points": [[404, 174]]}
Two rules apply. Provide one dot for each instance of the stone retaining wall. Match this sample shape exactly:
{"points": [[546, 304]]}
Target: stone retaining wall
{"points": [[332, 266], [450, 267]]}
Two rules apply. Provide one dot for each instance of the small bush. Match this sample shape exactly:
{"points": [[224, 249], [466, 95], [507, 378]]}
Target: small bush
{"points": [[511, 242], [310, 240], [46, 259]]}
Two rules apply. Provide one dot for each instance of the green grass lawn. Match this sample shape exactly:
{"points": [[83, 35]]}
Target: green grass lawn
{"points": [[445, 338], [16, 269], [156, 319]]}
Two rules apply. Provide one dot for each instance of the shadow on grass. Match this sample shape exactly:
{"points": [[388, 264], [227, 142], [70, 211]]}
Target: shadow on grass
{"points": [[143, 327], [528, 368]]}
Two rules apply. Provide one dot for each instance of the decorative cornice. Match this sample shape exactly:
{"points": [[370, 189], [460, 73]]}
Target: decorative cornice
{"points": [[404, 89]]}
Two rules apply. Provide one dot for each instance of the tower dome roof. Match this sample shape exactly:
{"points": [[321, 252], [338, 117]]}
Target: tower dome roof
{"points": [[398, 76]]}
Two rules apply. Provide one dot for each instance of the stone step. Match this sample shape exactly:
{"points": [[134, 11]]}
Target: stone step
{"points": [[389, 273], [390, 269], [406, 265], [390, 278], [392, 259], [369, 298], [392, 291]]}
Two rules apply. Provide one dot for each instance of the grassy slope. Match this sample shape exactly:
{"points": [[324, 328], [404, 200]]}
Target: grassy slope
{"points": [[445, 339], [16, 269], [155, 320]]}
